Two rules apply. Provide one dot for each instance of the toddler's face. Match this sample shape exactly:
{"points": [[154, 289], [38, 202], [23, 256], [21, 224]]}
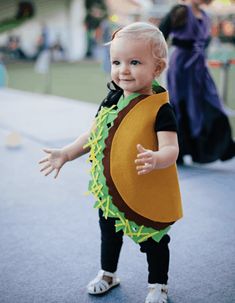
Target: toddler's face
{"points": [[133, 66]]}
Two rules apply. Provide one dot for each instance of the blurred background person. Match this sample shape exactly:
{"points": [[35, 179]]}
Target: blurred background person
{"points": [[204, 129], [57, 51], [14, 50], [106, 37], [42, 42], [3, 73]]}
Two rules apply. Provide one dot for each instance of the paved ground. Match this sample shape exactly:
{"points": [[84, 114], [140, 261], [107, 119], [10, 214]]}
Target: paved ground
{"points": [[49, 236]]}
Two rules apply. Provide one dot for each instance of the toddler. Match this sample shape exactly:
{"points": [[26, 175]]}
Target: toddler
{"points": [[138, 55]]}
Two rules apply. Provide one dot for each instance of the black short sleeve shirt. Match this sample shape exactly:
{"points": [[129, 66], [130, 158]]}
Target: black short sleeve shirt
{"points": [[165, 118]]}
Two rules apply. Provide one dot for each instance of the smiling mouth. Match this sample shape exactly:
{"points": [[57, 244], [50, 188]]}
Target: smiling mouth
{"points": [[127, 80]]}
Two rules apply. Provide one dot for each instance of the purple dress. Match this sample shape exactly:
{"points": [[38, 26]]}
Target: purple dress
{"points": [[204, 130]]}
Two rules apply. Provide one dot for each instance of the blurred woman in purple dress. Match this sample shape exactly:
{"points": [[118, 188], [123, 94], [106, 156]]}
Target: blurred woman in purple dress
{"points": [[204, 130]]}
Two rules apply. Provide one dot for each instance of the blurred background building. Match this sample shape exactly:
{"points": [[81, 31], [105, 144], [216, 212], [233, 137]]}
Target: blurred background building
{"points": [[53, 23]]}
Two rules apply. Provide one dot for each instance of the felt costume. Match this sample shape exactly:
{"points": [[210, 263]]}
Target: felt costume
{"points": [[144, 206], [204, 130]]}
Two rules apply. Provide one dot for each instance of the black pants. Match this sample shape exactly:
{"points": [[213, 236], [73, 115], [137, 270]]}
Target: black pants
{"points": [[157, 253]]}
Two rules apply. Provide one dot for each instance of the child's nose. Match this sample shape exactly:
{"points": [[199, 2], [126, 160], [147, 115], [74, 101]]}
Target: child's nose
{"points": [[124, 69]]}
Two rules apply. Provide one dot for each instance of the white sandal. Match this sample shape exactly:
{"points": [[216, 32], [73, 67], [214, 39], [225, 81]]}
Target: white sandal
{"points": [[100, 286], [157, 293]]}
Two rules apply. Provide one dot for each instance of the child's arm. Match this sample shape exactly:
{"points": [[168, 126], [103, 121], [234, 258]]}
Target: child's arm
{"points": [[148, 160], [56, 158]]}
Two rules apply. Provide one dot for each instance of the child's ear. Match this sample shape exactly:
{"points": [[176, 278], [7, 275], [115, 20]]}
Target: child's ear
{"points": [[159, 68]]}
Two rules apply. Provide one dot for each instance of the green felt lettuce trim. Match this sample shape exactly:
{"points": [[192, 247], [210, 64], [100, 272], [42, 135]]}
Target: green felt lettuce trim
{"points": [[97, 184]]}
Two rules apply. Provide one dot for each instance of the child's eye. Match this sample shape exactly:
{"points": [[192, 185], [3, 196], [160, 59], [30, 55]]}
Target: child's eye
{"points": [[135, 62], [115, 62]]}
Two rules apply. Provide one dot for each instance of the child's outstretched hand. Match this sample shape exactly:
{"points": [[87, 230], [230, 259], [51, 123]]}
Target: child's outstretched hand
{"points": [[54, 160], [146, 160]]}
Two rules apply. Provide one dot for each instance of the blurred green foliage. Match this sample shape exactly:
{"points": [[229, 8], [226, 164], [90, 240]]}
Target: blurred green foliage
{"points": [[25, 10]]}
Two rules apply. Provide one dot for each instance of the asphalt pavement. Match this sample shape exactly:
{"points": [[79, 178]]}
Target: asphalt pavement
{"points": [[49, 235]]}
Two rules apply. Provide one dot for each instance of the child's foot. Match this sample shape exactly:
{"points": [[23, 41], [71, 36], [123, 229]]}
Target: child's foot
{"points": [[102, 283], [157, 293]]}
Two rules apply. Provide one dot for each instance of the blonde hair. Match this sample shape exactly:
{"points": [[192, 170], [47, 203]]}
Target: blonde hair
{"points": [[149, 33]]}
